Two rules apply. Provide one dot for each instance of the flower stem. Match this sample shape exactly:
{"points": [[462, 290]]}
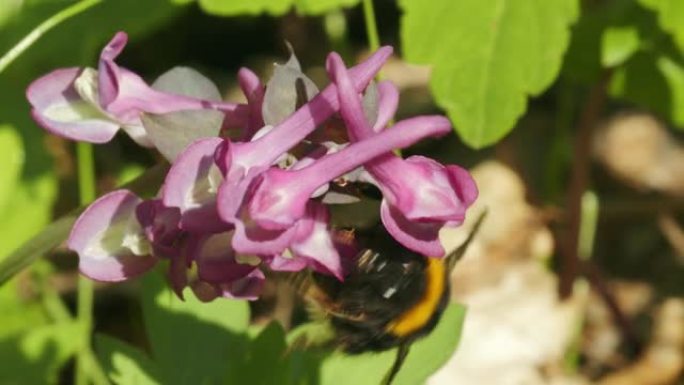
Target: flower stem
{"points": [[86, 172], [41, 29], [371, 25], [86, 188], [374, 42], [335, 24]]}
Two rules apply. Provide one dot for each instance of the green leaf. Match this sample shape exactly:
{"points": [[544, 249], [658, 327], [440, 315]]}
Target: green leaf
{"points": [[25, 214], [9, 9], [673, 72], [426, 356], [429, 354], [188, 82], [361, 369], [268, 348], [11, 159], [618, 44], [18, 314], [172, 132], [36, 356], [129, 172], [245, 7], [272, 7], [654, 82], [124, 363], [487, 57], [319, 7], [670, 17], [207, 338]]}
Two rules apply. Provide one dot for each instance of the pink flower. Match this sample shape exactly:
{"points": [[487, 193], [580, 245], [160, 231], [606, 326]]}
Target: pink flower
{"points": [[420, 194]]}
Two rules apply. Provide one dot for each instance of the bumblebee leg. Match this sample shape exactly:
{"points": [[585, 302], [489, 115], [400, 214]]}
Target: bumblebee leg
{"points": [[402, 352]]}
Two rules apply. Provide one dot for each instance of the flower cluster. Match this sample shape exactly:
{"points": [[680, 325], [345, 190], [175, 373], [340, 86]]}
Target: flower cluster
{"points": [[231, 208]]}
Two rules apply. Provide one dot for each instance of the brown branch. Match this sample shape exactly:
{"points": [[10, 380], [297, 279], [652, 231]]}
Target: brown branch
{"points": [[621, 321], [589, 118]]}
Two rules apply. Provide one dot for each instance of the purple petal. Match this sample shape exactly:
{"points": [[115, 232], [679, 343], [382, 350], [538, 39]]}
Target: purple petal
{"points": [[313, 241], [178, 275], [434, 190], [205, 291], [277, 202], [215, 259], [463, 183], [280, 196], [191, 185], [254, 92], [422, 238], [162, 227], [223, 157], [302, 122], [59, 109], [250, 238], [125, 95], [247, 288], [109, 240], [387, 105], [108, 70], [240, 160], [287, 263], [420, 194]]}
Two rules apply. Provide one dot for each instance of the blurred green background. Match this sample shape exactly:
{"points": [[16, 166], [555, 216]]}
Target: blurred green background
{"points": [[571, 96]]}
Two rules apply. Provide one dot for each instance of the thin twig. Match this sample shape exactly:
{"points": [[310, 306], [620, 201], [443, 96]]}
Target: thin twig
{"points": [[589, 118], [673, 232], [595, 278]]}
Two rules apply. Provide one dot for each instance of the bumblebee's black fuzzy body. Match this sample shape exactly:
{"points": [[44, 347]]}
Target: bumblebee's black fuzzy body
{"points": [[390, 296]]}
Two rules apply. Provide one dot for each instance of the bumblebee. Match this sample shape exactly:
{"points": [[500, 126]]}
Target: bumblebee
{"points": [[390, 297]]}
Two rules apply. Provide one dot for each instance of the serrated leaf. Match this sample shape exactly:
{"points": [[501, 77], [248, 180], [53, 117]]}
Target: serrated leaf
{"points": [[125, 364], [172, 132], [207, 338], [618, 44], [487, 57], [188, 82]]}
